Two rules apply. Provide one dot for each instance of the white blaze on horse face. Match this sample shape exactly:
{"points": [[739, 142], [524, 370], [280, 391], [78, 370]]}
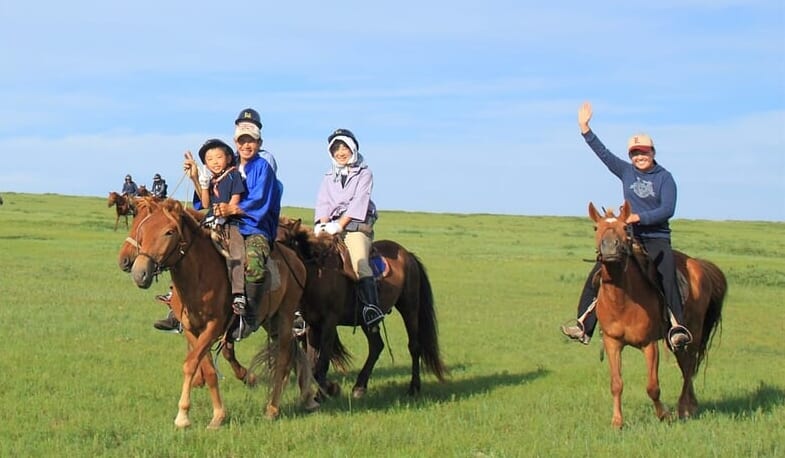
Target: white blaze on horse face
{"points": [[610, 220]]}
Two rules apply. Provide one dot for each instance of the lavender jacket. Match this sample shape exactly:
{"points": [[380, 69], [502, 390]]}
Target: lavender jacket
{"points": [[352, 199]]}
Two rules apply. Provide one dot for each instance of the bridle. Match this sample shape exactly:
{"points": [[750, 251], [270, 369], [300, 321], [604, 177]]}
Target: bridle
{"points": [[625, 250], [181, 248]]}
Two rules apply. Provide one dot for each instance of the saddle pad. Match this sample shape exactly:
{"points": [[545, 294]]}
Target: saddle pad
{"points": [[379, 266], [273, 275]]}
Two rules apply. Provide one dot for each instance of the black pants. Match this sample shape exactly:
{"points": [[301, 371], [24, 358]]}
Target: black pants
{"points": [[661, 254]]}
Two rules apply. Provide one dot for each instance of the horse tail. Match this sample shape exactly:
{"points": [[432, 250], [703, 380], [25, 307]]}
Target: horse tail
{"points": [[712, 321], [341, 358], [427, 330]]}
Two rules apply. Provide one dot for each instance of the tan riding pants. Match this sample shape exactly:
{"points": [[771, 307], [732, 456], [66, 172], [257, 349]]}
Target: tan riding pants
{"points": [[359, 246]]}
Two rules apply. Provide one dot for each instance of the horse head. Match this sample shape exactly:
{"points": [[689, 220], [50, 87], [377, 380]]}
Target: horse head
{"points": [[130, 248], [143, 191], [112, 199], [162, 238], [612, 238]]}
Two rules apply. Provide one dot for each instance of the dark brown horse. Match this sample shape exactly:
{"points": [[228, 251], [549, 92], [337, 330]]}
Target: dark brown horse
{"points": [[630, 310], [124, 206], [166, 236], [330, 300]]}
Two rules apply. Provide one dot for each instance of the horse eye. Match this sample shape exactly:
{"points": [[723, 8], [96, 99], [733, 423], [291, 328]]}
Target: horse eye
{"points": [[170, 232]]}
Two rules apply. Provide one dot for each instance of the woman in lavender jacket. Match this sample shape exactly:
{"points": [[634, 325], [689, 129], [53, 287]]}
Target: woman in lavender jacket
{"points": [[344, 206]]}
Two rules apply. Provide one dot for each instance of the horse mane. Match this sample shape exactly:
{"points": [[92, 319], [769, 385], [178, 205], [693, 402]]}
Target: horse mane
{"points": [[191, 217], [303, 241]]}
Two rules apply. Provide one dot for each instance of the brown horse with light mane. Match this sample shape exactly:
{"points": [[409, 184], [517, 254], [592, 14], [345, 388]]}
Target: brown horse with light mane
{"points": [[630, 310], [123, 205], [166, 236], [330, 300]]}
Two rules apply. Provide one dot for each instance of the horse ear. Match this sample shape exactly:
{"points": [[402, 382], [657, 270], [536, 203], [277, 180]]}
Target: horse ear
{"points": [[593, 214], [625, 211]]}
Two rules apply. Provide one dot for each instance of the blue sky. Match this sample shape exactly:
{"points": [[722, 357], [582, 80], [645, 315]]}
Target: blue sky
{"points": [[460, 107]]}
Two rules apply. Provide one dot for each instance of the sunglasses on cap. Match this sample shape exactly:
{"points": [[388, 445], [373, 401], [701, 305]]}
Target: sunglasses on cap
{"points": [[638, 152]]}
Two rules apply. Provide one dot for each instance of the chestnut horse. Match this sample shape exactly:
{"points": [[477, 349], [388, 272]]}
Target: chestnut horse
{"points": [[330, 300], [123, 205], [143, 191], [166, 236], [630, 310]]}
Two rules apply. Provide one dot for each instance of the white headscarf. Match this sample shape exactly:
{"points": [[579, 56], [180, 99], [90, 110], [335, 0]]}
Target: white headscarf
{"points": [[355, 160]]}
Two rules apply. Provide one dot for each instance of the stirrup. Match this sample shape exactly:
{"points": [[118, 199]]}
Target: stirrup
{"points": [[239, 306], [242, 330], [299, 327], [673, 332], [372, 314], [582, 338]]}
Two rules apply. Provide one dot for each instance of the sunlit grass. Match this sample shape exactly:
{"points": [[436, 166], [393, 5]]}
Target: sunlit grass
{"points": [[85, 374]]}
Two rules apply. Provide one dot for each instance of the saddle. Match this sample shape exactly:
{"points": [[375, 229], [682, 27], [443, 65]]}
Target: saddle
{"points": [[272, 281], [650, 270], [379, 265]]}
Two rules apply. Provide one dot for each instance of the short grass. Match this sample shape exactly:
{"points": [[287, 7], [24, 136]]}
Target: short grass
{"points": [[85, 374]]}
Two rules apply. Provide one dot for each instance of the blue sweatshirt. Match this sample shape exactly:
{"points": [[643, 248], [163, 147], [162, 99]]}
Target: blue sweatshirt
{"points": [[651, 194], [262, 202]]}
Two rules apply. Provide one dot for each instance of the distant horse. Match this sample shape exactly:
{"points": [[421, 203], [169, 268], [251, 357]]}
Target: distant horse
{"points": [[330, 300], [123, 205], [169, 237], [630, 310], [143, 191]]}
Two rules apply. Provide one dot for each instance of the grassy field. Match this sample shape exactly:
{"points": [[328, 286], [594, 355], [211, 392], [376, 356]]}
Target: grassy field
{"points": [[85, 374]]}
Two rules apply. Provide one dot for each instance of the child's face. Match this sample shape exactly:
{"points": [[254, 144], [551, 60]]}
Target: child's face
{"points": [[342, 154], [216, 160]]}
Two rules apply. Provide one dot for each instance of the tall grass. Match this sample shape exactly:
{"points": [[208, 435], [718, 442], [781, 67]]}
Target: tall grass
{"points": [[83, 373]]}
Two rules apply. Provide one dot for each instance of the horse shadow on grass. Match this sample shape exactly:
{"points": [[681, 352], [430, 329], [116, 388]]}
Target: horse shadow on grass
{"points": [[384, 394], [764, 398]]}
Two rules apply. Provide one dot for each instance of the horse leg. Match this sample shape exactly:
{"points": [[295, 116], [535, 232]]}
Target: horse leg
{"points": [[613, 348], [303, 364], [281, 368], [211, 377], [375, 347], [189, 370], [415, 349], [116, 222], [652, 354], [324, 342], [194, 361], [240, 372], [688, 403]]}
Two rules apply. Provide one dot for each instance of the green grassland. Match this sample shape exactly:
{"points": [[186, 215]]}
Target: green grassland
{"points": [[83, 373]]}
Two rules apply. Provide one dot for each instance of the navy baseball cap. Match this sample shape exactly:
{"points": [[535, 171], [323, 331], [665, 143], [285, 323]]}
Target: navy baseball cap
{"points": [[249, 115]]}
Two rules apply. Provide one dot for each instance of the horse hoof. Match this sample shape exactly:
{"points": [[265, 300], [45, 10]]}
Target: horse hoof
{"points": [[250, 380], [311, 405], [358, 392], [414, 390], [271, 413], [333, 389], [182, 424]]}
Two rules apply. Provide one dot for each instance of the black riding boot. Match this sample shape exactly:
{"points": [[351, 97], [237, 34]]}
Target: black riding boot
{"points": [[369, 296], [249, 322], [583, 329], [169, 324], [588, 295]]}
